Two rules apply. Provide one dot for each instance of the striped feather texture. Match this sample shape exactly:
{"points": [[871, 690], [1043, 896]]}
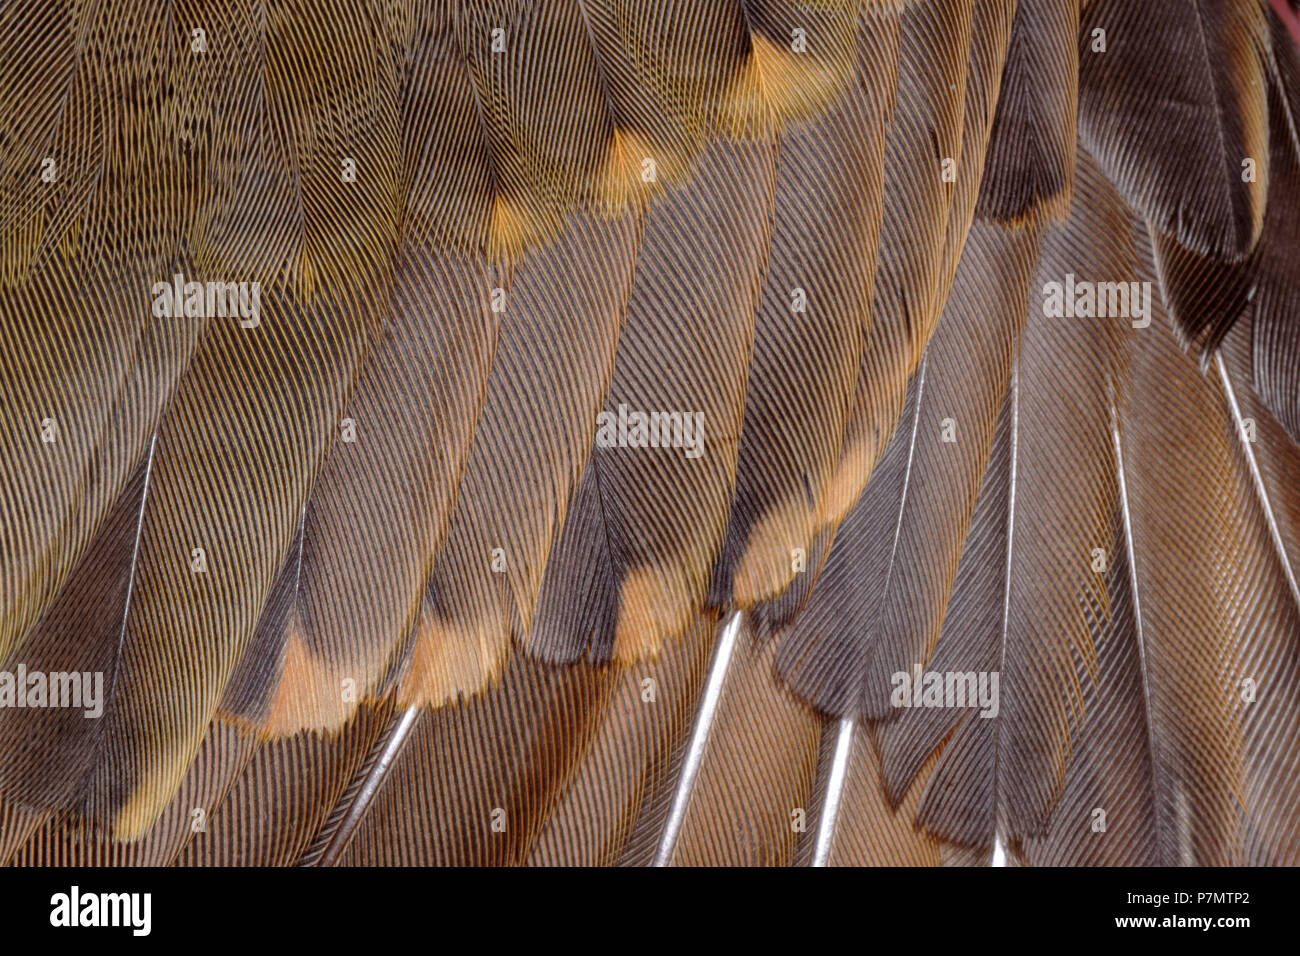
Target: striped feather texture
{"points": [[379, 564]]}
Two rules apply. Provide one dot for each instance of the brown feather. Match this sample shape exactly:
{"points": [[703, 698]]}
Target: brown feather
{"points": [[69, 840], [1031, 149], [683, 348], [1276, 326], [554, 358], [749, 800], [880, 599], [926, 130], [609, 798], [475, 780], [808, 330], [1172, 108], [286, 789]]}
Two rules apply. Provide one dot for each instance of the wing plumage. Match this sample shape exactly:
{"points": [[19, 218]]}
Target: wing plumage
{"points": [[388, 575]]}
